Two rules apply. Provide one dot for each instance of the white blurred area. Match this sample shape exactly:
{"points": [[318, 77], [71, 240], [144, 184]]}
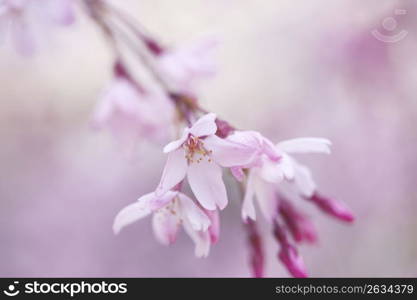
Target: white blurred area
{"points": [[286, 68]]}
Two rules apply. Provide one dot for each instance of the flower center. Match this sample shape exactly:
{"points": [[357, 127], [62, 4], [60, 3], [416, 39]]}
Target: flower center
{"points": [[195, 150]]}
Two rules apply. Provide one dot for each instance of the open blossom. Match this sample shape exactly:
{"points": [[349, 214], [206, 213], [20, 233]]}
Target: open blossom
{"points": [[272, 165], [170, 211], [199, 154], [29, 20], [269, 166], [183, 67], [130, 114]]}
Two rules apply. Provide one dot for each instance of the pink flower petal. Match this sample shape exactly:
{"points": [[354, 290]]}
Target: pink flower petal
{"points": [[305, 145], [61, 11], [102, 114], [271, 171], [287, 167], [133, 212], [200, 238], [165, 225], [204, 126], [206, 182], [214, 228], [174, 171], [269, 149], [258, 144], [174, 145], [159, 201], [228, 153], [303, 180], [266, 195], [194, 214], [248, 207], [237, 173]]}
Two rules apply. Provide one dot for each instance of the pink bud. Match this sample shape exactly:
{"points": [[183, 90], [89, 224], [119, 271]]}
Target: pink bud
{"points": [[292, 261], [301, 228], [153, 46], [256, 248], [288, 254], [333, 207]]}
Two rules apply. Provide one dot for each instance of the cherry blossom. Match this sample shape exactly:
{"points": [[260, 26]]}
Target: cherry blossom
{"points": [[183, 67], [271, 165], [29, 20], [199, 154], [171, 210], [131, 114]]}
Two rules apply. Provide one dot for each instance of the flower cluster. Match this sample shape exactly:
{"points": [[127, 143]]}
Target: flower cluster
{"points": [[28, 20], [199, 155], [133, 109]]}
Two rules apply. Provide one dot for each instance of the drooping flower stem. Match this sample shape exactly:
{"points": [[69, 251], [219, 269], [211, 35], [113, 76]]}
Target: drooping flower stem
{"points": [[101, 13]]}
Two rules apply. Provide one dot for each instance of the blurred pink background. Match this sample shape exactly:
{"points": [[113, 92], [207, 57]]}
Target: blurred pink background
{"points": [[286, 68]]}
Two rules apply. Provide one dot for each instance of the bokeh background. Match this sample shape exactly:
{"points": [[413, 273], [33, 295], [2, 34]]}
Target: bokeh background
{"points": [[286, 68]]}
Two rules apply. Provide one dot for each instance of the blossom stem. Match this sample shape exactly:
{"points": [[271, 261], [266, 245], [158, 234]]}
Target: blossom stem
{"points": [[151, 43], [101, 13]]}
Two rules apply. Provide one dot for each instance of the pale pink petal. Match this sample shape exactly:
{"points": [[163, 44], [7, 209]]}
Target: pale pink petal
{"points": [[125, 97], [102, 113], [133, 212], [162, 200], [204, 126], [304, 180], [194, 214], [305, 145], [270, 150], [61, 11], [248, 207], [174, 171], [206, 182], [248, 138], [165, 225], [287, 167], [199, 59], [257, 143], [266, 195], [200, 238], [174, 145], [182, 67], [118, 99], [214, 228], [271, 171], [237, 173], [228, 153]]}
